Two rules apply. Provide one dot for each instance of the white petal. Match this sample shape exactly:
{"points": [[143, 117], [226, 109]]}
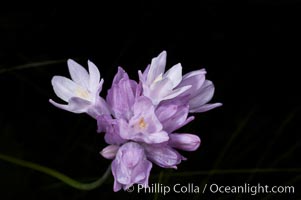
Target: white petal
{"points": [[79, 105], [177, 92], [184, 141], [195, 79], [157, 67], [94, 76], [58, 105], [160, 90], [174, 74], [205, 94], [76, 105], [141, 76], [205, 107], [63, 87], [78, 74], [99, 87], [146, 72], [194, 73], [157, 137], [109, 152]]}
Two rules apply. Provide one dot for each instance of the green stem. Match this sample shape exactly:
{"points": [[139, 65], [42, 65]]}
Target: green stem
{"points": [[58, 175], [90, 186], [32, 65]]}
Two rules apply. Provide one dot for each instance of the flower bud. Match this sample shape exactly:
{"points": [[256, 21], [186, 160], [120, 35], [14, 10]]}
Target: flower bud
{"points": [[184, 141], [109, 152]]}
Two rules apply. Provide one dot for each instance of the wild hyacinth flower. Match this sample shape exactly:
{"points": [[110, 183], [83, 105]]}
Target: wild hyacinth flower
{"points": [[82, 92], [140, 121], [138, 147], [173, 115], [130, 166], [144, 130], [159, 86], [120, 99], [144, 125]]}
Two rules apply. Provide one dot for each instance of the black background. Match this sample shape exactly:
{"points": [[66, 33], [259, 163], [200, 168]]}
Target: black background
{"points": [[250, 50]]}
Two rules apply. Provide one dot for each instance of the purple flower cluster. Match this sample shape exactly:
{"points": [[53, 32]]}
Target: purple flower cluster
{"points": [[140, 120]]}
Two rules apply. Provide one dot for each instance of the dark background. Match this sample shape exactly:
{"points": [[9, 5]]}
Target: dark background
{"points": [[250, 50]]}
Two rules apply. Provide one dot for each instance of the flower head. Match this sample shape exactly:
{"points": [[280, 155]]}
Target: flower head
{"points": [[82, 92], [140, 120], [138, 124]]}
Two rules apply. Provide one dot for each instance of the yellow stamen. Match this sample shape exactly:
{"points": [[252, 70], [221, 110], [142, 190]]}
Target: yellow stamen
{"points": [[142, 123], [80, 92]]}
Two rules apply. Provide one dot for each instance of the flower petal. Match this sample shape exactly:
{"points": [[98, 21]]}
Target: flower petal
{"points": [[157, 67], [184, 141], [205, 94], [100, 107], [195, 79], [58, 105], [98, 88], [78, 74], [125, 88], [143, 105], [178, 119], [165, 156], [117, 186], [94, 77], [130, 166], [63, 87], [166, 111], [174, 74], [110, 126], [109, 152], [155, 138], [120, 75], [144, 75], [158, 90], [176, 92], [194, 73], [205, 107], [75, 105]]}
